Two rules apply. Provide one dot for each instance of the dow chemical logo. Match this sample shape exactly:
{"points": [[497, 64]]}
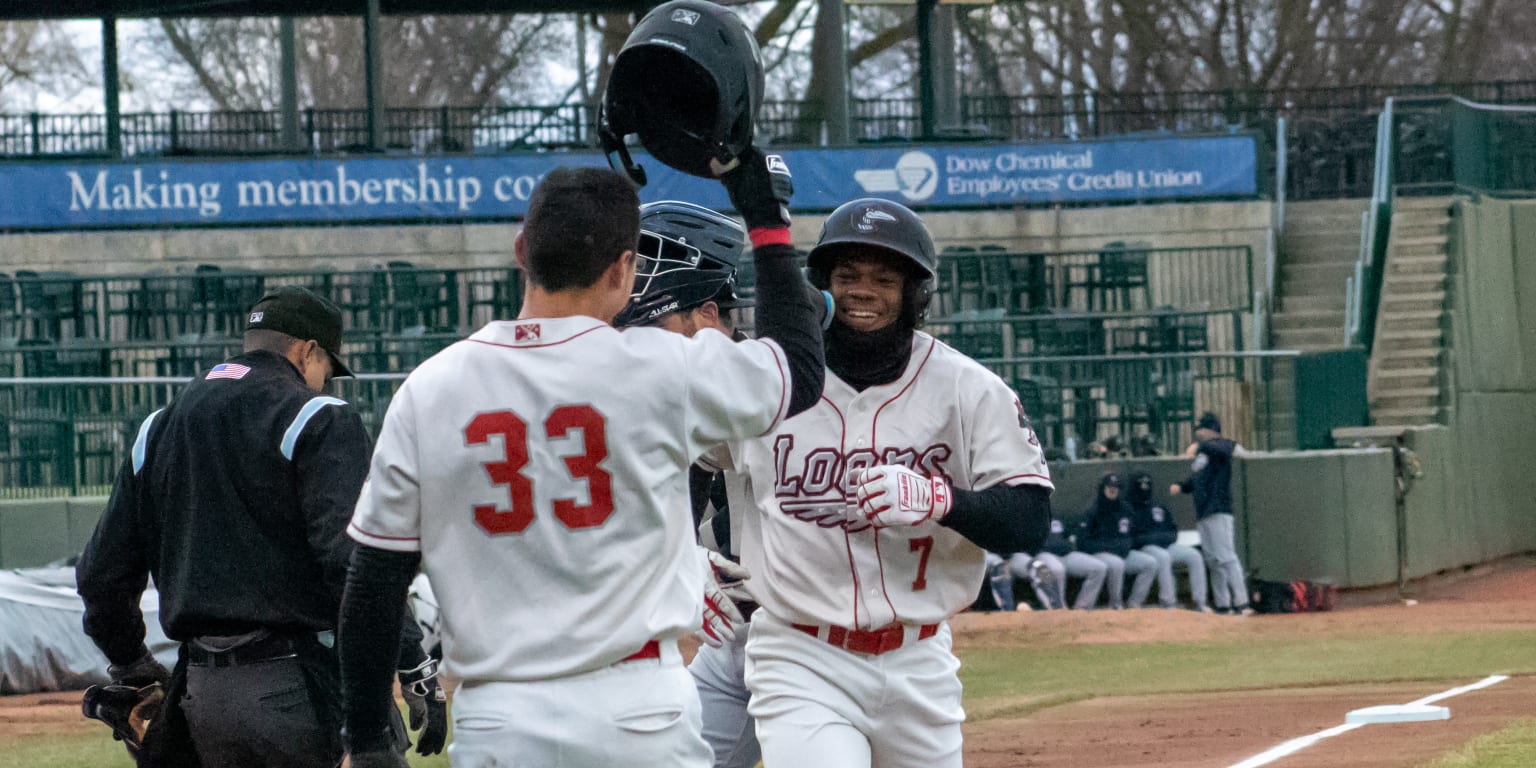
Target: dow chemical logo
{"points": [[915, 177]]}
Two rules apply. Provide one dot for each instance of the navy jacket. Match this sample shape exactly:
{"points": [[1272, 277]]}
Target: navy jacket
{"points": [[1211, 478]]}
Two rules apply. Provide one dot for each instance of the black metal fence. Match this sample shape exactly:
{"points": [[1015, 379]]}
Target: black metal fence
{"points": [[1331, 131]]}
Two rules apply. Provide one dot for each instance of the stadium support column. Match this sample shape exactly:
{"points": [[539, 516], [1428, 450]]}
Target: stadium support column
{"points": [[946, 92], [925, 90], [109, 85], [373, 74], [832, 44], [290, 80]]}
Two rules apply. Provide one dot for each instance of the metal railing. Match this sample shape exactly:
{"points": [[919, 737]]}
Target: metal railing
{"points": [[69, 435], [1329, 130], [63, 308], [1117, 277]]}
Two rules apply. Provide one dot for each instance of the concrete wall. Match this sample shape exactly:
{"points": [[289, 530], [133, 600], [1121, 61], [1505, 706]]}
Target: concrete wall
{"points": [[479, 245]]}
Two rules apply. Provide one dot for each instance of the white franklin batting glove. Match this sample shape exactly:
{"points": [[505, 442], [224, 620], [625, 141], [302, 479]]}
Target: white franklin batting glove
{"points": [[721, 617], [892, 495]]}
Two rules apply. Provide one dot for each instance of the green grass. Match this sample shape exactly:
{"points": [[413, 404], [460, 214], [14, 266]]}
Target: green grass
{"points": [[1149, 668], [1513, 747], [1014, 681]]}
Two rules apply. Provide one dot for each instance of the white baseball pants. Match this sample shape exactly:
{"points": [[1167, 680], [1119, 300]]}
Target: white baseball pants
{"points": [[642, 713], [819, 705], [720, 675]]}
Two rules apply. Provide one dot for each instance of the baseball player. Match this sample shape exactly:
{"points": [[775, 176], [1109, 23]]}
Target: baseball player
{"points": [[1157, 534], [235, 498], [1105, 533], [1210, 481], [1057, 556], [692, 289], [871, 513], [538, 471]]}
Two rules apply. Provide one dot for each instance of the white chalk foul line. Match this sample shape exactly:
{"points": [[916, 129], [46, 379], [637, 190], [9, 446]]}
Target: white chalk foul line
{"points": [[1296, 745]]}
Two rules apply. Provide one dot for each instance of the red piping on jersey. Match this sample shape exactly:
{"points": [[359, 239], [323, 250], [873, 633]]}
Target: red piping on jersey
{"points": [[874, 426], [879, 558], [853, 571], [1024, 476], [778, 360], [359, 529], [536, 346]]}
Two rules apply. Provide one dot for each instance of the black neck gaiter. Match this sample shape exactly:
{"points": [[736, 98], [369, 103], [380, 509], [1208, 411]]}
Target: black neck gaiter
{"points": [[870, 359]]}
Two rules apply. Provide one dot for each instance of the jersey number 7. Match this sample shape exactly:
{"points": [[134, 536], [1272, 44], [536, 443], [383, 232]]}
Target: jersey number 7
{"points": [[509, 471]]}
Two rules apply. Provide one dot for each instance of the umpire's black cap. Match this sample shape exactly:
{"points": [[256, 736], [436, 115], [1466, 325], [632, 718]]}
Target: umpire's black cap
{"points": [[303, 315]]}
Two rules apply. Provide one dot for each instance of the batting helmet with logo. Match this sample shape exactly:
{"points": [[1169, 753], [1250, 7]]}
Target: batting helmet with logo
{"points": [[688, 81], [885, 226], [688, 256]]}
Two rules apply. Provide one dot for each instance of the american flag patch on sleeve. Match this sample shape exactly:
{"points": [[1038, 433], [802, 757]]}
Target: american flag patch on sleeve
{"points": [[228, 371]]}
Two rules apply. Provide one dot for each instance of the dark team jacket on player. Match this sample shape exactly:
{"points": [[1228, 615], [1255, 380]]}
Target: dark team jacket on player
{"points": [[236, 499], [1056, 542], [1151, 525], [1211, 481], [1106, 527]]}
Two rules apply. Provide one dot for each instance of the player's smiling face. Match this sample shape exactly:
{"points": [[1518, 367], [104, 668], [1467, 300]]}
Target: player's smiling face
{"points": [[866, 288]]}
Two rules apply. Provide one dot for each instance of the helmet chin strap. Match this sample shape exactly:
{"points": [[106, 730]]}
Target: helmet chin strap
{"points": [[619, 158]]}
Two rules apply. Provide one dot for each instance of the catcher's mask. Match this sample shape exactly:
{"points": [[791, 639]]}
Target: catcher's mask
{"points": [[688, 81], [687, 256]]}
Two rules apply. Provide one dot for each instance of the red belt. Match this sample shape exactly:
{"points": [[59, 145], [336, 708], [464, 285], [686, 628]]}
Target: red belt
{"points": [[651, 650], [870, 641]]}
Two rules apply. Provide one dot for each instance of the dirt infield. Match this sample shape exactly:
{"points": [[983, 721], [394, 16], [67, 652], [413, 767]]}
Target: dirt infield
{"points": [[1202, 730], [1220, 729]]}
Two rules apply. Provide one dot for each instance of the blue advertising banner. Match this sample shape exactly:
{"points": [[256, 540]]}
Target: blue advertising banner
{"points": [[404, 189]]}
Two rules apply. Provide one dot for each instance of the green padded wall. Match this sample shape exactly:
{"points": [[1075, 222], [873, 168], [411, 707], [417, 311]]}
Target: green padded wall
{"points": [[83, 512], [33, 532]]}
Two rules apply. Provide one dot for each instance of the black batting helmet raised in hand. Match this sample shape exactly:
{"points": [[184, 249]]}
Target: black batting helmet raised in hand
{"points": [[688, 81], [873, 224], [687, 256]]}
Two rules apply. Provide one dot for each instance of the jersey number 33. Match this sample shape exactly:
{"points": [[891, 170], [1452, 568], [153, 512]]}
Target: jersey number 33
{"points": [[509, 471]]}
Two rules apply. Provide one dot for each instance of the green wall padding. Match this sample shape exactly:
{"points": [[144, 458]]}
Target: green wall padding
{"points": [[1370, 514], [83, 512], [33, 532], [1294, 518]]}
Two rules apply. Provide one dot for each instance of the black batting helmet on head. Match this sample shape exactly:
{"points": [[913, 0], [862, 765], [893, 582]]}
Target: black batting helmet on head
{"points": [[689, 81], [687, 256], [871, 223]]}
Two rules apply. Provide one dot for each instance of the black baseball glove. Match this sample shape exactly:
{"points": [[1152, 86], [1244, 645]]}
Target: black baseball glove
{"points": [[428, 705]]}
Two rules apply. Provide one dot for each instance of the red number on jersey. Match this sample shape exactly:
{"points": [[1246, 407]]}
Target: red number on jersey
{"points": [[514, 440], [583, 466], [925, 546]]}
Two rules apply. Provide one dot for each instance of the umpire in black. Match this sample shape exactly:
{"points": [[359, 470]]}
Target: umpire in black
{"points": [[236, 498]]}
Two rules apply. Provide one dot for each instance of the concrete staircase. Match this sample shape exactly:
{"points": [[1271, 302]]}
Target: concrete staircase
{"points": [[1318, 249], [1407, 381]]}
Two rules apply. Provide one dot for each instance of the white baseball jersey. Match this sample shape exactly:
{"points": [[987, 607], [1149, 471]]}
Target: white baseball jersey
{"points": [[947, 415], [540, 467]]}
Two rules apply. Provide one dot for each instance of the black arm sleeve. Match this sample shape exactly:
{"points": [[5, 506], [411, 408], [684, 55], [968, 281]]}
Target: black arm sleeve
{"points": [[331, 460], [1003, 518], [411, 653], [112, 573], [372, 609], [786, 314]]}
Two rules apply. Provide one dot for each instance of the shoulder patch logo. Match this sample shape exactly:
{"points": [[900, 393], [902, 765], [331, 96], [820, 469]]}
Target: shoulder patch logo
{"points": [[526, 332], [257, 316]]}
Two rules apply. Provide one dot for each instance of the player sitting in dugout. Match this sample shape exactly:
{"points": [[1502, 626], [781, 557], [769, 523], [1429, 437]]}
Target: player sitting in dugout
{"points": [[1105, 533]]}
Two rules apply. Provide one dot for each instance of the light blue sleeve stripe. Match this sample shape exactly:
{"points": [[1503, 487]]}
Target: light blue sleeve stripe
{"points": [[141, 443], [291, 437]]}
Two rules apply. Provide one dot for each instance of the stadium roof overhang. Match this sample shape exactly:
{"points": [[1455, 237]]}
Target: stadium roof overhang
{"points": [[126, 9]]}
